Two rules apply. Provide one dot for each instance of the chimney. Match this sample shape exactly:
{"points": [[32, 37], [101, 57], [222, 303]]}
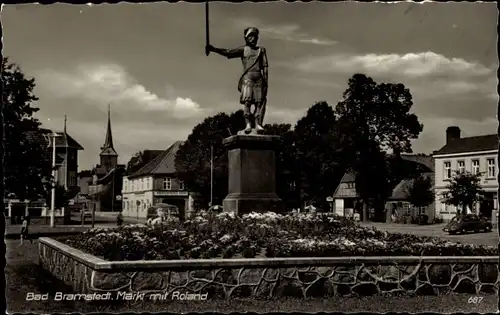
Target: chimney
{"points": [[452, 133]]}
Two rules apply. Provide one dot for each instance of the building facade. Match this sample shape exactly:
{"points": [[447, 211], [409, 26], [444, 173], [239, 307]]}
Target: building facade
{"points": [[477, 155], [156, 182]]}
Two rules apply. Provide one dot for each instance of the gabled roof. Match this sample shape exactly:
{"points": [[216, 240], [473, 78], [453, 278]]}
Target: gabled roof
{"points": [[425, 160], [349, 177], [41, 138], [163, 164], [62, 141], [470, 144], [402, 190], [149, 155]]}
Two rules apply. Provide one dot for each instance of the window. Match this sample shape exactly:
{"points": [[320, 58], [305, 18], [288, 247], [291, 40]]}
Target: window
{"points": [[422, 210], [181, 185], [142, 183], [444, 208], [491, 168], [475, 167], [406, 208], [72, 178], [167, 183], [350, 185], [461, 167], [447, 170]]}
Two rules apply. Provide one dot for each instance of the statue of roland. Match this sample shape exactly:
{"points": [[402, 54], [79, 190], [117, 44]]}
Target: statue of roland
{"points": [[253, 82]]}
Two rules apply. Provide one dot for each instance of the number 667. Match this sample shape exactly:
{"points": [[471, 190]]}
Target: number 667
{"points": [[475, 299]]}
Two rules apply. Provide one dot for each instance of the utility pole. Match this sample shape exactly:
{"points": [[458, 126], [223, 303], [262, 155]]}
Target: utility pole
{"points": [[211, 174], [94, 204], [66, 155], [113, 191]]}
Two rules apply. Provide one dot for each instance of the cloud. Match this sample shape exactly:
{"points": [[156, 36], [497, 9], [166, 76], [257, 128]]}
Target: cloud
{"points": [[110, 83], [428, 75], [285, 32], [411, 65], [463, 88], [433, 136]]}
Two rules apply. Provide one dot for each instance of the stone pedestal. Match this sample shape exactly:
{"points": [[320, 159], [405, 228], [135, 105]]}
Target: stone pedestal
{"points": [[252, 172]]}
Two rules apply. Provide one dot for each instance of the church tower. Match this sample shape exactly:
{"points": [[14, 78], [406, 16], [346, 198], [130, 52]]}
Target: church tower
{"points": [[109, 157]]}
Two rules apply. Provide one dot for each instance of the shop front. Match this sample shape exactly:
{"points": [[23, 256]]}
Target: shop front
{"points": [[175, 198]]}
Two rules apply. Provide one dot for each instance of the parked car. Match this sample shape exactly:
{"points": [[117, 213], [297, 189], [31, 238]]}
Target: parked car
{"points": [[468, 223], [162, 212], [216, 208]]}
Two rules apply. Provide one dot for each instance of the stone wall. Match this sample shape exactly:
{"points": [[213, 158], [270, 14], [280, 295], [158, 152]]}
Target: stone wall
{"points": [[274, 277]]}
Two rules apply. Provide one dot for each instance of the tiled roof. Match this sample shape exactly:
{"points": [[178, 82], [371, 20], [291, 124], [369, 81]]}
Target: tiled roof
{"points": [[425, 160], [39, 137], [61, 141], [402, 190], [348, 177], [149, 155], [470, 144], [164, 163]]}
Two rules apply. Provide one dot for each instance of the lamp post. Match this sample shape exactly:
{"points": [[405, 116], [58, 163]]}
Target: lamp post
{"points": [[54, 175], [211, 174]]}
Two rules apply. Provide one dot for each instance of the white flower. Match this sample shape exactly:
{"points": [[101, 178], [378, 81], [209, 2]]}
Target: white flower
{"points": [[226, 238]]}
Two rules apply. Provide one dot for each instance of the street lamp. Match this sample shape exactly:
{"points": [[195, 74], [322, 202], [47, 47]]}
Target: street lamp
{"points": [[211, 174], [54, 175]]}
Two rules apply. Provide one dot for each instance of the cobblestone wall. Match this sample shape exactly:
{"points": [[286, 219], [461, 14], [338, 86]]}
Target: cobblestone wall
{"points": [[273, 277]]}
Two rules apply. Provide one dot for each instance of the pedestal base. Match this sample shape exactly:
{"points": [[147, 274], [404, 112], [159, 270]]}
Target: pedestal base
{"points": [[251, 175], [247, 203]]}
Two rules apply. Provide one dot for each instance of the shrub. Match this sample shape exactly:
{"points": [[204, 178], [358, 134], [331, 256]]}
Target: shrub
{"points": [[224, 235]]}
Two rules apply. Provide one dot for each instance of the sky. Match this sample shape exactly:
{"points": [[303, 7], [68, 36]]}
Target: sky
{"points": [[148, 62]]}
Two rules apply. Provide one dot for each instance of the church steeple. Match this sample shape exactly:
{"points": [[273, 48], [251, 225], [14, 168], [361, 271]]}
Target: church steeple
{"points": [[109, 157]]}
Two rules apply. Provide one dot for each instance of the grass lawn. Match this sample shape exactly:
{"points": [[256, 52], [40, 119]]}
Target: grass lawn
{"points": [[23, 275]]}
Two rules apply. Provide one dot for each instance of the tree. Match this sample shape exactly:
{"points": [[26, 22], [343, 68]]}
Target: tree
{"points": [[26, 166], [318, 155], [141, 158], [373, 118], [192, 161], [135, 162], [287, 173], [463, 191], [420, 192]]}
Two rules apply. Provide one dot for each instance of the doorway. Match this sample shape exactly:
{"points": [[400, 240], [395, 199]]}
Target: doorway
{"points": [[486, 206]]}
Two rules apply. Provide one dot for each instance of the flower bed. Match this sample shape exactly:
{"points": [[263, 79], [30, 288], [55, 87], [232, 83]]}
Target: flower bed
{"points": [[260, 235]]}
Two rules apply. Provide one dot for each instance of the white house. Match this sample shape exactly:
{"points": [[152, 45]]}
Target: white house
{"points": [[478, 155], [156, 182]]}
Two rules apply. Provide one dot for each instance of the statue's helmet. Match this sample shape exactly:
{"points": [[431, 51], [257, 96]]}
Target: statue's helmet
{"points": [[251, 30]]}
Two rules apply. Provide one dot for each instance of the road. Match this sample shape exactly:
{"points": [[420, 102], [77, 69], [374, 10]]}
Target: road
{"points": [[436, 230]]}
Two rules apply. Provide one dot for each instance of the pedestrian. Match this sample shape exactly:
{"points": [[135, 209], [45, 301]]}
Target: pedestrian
{"points": [[24, 230], [119, 219]]}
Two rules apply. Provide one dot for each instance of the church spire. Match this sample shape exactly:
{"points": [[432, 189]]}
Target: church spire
{"points": [[107, 148]]}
